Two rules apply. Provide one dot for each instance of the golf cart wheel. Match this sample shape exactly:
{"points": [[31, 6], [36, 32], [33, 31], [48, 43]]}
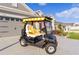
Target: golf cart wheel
{"points": [[50, 48], [23, 42]]}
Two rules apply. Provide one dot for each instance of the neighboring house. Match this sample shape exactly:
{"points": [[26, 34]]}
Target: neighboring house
{"points": [[67, 26], [70, 27], [11, 15]]}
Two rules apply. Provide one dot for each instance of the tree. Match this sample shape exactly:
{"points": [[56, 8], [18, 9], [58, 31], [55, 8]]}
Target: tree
{"points": [[60, 26]]}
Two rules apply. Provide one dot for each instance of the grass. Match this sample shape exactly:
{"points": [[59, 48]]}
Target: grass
{"points": [[73, 35]]}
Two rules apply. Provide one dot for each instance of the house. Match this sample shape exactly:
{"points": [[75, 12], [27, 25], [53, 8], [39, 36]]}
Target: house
{"points": [[11, 15], [71, 27]]}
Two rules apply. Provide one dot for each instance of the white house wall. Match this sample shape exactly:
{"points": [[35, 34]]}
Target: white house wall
{"points": [[12, 15], [74, 28], [13, 25]]}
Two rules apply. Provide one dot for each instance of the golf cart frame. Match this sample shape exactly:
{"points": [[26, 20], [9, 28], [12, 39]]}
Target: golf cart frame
{"points": [[47, 41]]}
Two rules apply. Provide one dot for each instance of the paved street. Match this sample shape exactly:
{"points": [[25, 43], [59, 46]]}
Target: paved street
{"points": [[11, 46]]}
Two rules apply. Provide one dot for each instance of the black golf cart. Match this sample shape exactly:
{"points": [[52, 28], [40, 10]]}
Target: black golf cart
{"points": [[45, 40]]}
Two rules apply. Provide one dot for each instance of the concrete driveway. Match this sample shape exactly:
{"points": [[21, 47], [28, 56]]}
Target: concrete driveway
{"points": [[11, 46]]}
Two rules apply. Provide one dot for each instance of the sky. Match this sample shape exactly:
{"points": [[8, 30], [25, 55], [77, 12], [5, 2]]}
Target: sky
{"points": [[63, 12]]}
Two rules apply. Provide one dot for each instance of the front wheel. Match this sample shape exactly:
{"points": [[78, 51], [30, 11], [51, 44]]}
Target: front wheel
{"points": [[23, 42], [50, 48]]}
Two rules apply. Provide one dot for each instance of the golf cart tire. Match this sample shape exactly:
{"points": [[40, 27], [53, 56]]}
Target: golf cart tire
{"points": [[47, 47], [22, 40]]}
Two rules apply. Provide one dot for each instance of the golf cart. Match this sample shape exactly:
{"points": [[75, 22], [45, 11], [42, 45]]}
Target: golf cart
{"points": [[44, 39]]}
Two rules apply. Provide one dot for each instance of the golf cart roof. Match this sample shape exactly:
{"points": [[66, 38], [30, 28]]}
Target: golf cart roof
{"points": [[37, 19]]}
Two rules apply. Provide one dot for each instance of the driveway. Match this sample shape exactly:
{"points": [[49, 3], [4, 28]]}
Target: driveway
{"points": [[11, 46], [67, 46]]}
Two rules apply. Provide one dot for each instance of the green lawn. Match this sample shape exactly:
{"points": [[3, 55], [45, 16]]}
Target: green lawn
{"points": [[73, 35]]}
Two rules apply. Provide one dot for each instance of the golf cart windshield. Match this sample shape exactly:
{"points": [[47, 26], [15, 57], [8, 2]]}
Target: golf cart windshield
{"points": [[45, 27], [39, 26], [48, 27]]}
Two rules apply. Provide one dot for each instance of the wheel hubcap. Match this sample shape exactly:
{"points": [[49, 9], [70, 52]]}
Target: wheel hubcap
{"points": [[23, 42], [51, 49]]}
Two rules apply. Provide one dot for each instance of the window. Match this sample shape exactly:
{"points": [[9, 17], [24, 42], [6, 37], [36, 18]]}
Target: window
{"points": [[17, 19], [7, 18], [12, 19], [14, 4], [1, 18]]}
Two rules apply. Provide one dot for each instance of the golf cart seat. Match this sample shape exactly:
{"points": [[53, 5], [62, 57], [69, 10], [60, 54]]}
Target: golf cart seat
{"points": [[24, 34]]}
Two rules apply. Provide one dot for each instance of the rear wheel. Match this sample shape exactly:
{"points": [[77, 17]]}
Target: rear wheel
{"points": [[50, 48], [23, 42]]}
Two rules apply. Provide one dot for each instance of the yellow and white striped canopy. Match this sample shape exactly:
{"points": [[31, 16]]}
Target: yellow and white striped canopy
{"points": [[33, 19]]}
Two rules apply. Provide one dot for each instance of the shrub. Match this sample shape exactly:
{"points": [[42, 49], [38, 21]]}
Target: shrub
{"points": [[58, 32], [65, 33]]}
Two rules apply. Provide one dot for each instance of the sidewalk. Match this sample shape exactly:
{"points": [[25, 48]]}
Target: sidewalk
{"points": [[5, 42]]}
